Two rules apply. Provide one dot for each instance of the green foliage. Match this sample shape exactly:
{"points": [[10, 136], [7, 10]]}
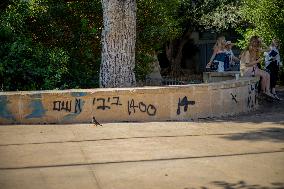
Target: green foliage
{"points": [[264, 18], [26, 66], [48, 44], [223, 16], [215, 15], [143, 66], [157, 22]]}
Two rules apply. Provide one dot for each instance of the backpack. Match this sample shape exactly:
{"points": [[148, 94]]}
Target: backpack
{"points": [[220, 57]]}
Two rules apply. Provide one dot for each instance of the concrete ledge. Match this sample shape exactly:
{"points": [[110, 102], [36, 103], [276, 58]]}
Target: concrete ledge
{"points": [[129, 104], [209, 77]]}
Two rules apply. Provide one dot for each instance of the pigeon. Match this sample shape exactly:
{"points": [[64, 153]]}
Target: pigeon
{"points": [[96, 122]]}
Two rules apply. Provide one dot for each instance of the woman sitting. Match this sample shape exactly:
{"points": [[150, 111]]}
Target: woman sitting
{"points": [[219, 60], [249, 60]]}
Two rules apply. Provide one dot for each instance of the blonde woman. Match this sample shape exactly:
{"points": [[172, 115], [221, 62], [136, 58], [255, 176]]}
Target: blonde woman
{"points": [[249, 60], [218, 57]]}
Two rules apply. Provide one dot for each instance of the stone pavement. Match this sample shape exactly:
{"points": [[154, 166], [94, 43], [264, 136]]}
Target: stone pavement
{"points": [[236, 152]]}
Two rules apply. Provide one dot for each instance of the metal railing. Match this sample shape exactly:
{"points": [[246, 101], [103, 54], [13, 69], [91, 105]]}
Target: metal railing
{"points": [[170, 81]]}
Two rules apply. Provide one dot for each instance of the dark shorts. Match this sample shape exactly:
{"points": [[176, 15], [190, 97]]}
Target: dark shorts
{"points": [[273, 70]]}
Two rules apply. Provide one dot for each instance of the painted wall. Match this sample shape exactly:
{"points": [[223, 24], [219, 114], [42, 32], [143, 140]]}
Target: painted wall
{"points": [[129, 104]]}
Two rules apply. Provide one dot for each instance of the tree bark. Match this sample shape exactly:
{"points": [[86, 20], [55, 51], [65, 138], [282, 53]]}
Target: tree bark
{"points": [[174, 53], [118, 43]]}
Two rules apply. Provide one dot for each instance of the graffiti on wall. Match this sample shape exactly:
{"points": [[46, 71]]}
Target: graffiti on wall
{"points": [[37, 107], [133, 106], [4, 109], [184, 102], [106, 103], [252, 96], [234, 98], [74, 105], [68, 105]]}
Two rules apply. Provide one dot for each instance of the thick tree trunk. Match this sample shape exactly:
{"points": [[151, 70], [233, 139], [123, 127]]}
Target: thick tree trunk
{"points": [[118, 43]]}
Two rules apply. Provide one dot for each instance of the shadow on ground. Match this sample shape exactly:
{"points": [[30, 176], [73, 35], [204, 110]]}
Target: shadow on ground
{"points": [[242, 185], [268, 134]]}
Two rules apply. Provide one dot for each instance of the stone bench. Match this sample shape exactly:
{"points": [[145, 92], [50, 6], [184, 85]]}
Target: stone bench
{"points": [[210, 77]]}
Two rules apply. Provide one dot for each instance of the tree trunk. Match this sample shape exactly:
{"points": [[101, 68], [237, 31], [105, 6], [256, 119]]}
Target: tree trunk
{"points": [[174, 54], [118, 43]]}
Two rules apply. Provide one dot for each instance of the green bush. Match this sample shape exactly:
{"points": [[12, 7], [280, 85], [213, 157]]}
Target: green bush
{"points": [[48, 44], [25, 66]]}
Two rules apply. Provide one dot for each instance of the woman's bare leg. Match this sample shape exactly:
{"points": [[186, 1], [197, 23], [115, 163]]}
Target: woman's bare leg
{"points": [[265, 82]]}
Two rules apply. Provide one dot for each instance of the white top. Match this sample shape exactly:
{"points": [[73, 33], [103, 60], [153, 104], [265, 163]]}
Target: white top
{"points": [[267, 57], [231, 55]]}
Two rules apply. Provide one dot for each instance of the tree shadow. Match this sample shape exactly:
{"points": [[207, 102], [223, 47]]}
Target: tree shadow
{"points": [[241, 185], [272, 134], [244, 185]]}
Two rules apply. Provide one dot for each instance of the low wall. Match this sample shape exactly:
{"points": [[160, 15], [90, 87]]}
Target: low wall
{"points": [[129, 104]]}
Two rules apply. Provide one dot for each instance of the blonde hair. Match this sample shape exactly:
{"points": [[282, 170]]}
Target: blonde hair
{"points": [[220, 43], [254, 48]]}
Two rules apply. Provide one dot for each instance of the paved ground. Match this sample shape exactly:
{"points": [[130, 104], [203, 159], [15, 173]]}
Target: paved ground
{"points": [[246, 151]]}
